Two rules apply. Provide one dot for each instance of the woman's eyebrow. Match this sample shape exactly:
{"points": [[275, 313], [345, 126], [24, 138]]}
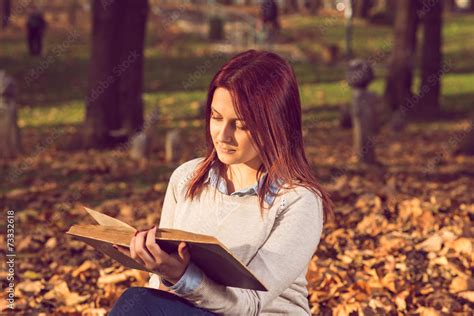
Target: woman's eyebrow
{"points": [[212, 108]]}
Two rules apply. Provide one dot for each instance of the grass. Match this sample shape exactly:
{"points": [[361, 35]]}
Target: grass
{"points": [[52, 87], [457, 96]]}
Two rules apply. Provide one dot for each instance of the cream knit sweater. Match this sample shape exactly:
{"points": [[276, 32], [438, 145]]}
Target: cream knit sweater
{"points": [[276, 247]]}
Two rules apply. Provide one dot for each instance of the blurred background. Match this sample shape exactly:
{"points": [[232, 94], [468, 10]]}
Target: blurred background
{"points": [[101, 100]]}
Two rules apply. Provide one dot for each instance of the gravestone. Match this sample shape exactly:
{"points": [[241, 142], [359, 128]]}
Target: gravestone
{"points": [[216, 28], [141, 144], [173, 146], [363, 110], [330, 54], [10, 144]]}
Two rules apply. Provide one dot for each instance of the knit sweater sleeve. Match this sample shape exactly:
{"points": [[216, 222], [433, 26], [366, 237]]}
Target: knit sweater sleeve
{"points": [[175, 191], [281, 259]]}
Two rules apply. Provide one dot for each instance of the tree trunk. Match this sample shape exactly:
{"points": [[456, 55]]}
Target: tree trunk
{"points": [[72, 9], [131, 76], [10, 144], [449, 5], [431, 57], [383, 12], [101, 117], [314, 6], [290, 6], [400, 75], [467, 144], [116, 71], [5, 12], [361, 8]]}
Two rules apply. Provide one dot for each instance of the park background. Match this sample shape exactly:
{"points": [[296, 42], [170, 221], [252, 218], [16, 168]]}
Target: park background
{"points": [[403, 236]]}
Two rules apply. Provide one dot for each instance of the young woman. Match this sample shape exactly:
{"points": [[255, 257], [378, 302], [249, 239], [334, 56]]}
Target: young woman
{"points": [[254, 191]]}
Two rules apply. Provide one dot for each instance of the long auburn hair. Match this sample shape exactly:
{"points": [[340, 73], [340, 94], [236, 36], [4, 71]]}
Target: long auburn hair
{"points": [[265, 94]]}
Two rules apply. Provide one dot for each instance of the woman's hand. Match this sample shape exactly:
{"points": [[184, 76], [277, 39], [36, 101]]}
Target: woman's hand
{"points": [[145, 250]]}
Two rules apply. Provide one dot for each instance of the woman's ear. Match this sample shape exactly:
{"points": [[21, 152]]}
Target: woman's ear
{"points": [[183, 252]]}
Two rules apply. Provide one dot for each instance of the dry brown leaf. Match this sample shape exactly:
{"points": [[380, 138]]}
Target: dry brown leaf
{"points": [[126, 211], [369, 202], [345, 309], [24, 243], [86, 265], [432, 244], [51, 243], [372, 224], [115, 278], [16, 193], [426, 221], [30, 287], [427, 311], [441, 260], [388, 281], [462, 245], [74, 299], [467, 295], [59, 291], [459, 284], [390, 243], [400, 300], [62, 294], [94, 312], [410, 209]]}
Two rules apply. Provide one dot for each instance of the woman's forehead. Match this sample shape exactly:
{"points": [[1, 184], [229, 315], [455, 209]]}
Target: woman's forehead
{"points": [[222, 103]]}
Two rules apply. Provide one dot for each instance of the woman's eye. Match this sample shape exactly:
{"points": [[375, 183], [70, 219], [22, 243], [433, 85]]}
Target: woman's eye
{"points": [[242, 127]]}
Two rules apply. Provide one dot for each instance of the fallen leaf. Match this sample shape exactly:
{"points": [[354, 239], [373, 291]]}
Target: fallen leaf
{"points": [[51, 243], [29, 287], [432, 244], [459, 284], [462, 245], [467, 295], [86, 265]]}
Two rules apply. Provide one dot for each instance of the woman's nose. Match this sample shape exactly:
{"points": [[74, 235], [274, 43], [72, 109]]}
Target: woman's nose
{"points": [[225, 133]]}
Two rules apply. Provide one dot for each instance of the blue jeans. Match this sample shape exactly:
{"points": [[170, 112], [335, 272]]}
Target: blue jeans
{"points": [[146, 301]]}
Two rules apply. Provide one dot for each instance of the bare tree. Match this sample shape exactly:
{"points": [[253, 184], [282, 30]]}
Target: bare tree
{"points": [[290, 6], [361, 8], [431, 56], [398, 90], [5, 11], [113, 104], [449, 5], [313, 6]]}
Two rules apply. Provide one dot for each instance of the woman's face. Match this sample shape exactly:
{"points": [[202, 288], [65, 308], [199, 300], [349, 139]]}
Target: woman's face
{"points": [[229, 135]]}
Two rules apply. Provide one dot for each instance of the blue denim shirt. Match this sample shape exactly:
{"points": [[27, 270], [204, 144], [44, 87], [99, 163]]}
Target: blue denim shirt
{"points": [[218, 182], [192, 277]]}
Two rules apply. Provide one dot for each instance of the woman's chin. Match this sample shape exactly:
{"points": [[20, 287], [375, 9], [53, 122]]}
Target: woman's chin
{"points": [[226, 158]]}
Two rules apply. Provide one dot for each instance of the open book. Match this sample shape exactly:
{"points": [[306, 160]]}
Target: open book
{"points": [[214, 259]]}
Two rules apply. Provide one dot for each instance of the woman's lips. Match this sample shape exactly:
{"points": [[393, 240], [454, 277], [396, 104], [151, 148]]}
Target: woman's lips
{"points": [[226, 150]]}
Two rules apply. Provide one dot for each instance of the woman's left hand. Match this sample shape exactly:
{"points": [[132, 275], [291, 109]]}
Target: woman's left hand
{"points": [[145, 250]]}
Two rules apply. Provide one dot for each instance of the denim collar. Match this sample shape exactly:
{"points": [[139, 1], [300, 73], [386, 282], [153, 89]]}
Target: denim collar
{"points": [[219, 183]]}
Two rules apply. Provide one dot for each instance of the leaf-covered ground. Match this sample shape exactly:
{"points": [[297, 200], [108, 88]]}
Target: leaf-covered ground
{"points": [[403, 237], [402, 241]]}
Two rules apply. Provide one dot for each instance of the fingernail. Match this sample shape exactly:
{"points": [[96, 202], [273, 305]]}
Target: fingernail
{"points": [[153, 226], [136, 233]]}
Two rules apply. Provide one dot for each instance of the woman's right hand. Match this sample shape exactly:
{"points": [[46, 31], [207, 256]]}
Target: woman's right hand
{"points": [[145, 250]]}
